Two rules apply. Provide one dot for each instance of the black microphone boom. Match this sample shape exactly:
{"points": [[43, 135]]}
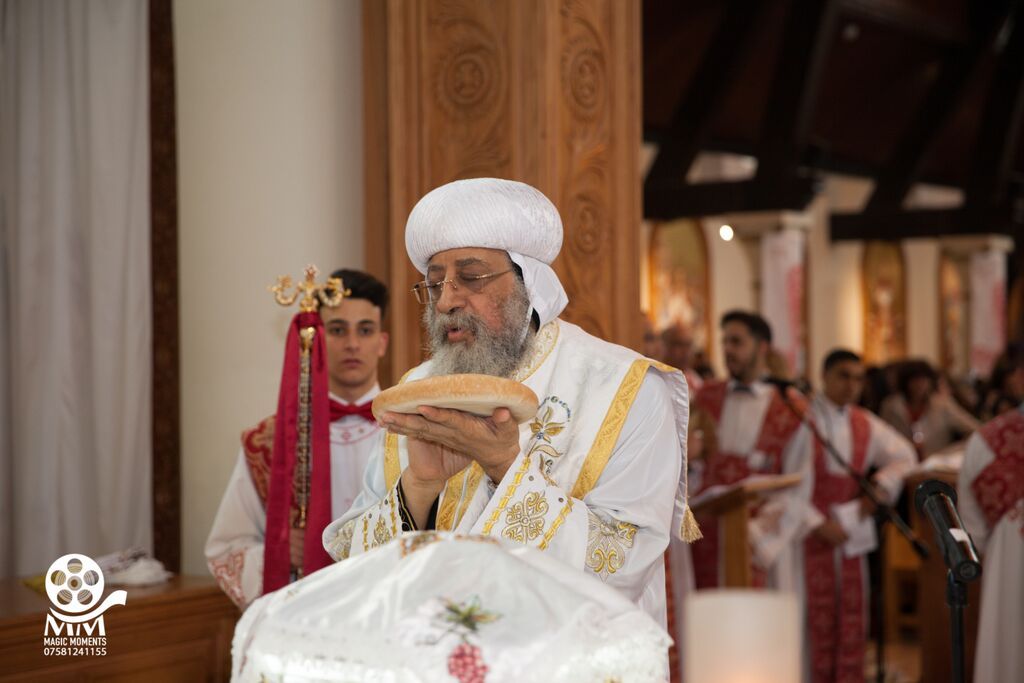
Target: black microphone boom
{"points": [[936, 500], [779, 383], [865, 486]]}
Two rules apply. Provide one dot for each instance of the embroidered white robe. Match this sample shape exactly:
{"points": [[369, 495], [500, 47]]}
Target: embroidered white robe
{"points": [[991, 504], [836, 587], [595, 482], [234, 548]]}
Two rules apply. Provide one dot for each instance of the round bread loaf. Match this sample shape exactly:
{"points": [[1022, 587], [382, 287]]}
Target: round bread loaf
{"points": [[477, 394]]}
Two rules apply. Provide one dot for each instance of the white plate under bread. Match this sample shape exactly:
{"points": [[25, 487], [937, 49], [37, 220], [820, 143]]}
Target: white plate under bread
{"points": [[477, 394]]}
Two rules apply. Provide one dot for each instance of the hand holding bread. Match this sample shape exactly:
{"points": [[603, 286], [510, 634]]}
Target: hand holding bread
{"points": [[451, 421]]}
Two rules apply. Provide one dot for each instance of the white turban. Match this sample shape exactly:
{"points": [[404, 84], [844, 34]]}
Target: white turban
{"points": [[494, 214]]}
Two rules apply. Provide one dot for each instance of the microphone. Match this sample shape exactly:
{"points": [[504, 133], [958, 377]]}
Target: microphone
{"points": [[783, 385], [936, 500]]}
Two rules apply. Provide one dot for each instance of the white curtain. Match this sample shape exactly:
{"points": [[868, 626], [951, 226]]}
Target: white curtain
{"points": [[75, 331]]}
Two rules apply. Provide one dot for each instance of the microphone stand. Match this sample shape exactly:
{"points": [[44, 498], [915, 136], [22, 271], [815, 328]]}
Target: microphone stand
{"points": [[962, 563], [883, 513], [956, 600]]}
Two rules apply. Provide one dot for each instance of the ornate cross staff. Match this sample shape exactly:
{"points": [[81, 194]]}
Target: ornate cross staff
{"points": [[330, 293]]}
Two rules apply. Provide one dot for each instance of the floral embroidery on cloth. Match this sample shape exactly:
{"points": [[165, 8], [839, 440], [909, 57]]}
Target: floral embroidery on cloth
{"points": [[524, 520], [547, 425], [228, 572], [258, 447], [340, 546], [1000, 485], [466, 661], [607, 544], [451, 626], [386, 527]]}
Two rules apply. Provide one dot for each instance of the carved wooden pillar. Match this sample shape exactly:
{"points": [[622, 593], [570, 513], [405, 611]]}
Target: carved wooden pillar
{"points": [[534, 90]]}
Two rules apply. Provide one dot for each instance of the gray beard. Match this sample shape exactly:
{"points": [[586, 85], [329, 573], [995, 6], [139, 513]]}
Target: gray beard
{"points": [[497, 353]]}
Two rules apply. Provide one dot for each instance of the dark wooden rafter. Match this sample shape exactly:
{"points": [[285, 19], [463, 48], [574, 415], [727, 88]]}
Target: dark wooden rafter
{"points": [[788, 158], [940, 103], [691, 121], [1000, 123], [989, 207], [166, 434], [897, 224], [785, 129], [904, 17], [705, 199]]}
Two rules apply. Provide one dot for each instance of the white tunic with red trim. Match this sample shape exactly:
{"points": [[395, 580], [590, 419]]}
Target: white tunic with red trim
{"points": [[991, 504], [836, 585], [595, 482], [234, 548], [756, 433]]}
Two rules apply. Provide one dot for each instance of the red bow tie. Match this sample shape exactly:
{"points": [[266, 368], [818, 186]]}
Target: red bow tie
{"points": [[340, 410]]}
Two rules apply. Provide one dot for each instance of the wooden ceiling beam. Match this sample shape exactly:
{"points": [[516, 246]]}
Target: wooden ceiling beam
{"points": [[939, 104], [705, 199], [900, 225], [903, 17], [785, 129], [691, 121], [999, 128]]}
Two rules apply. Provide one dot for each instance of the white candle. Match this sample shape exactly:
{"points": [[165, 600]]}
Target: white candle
{"points": [[742, 636]]}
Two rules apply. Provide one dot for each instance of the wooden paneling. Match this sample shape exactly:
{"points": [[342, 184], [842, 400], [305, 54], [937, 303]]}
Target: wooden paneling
{"points": [[543, 92], [164, 264], [177, 631]]}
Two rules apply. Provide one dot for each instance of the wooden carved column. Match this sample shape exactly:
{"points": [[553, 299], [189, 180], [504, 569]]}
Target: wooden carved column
{"points": [[534, 90]]}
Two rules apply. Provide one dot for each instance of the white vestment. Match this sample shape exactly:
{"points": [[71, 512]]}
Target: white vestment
{"points": [[777, 545], [888, 450], [999, 655], [234, 548], [885, 449], [594, 484]]}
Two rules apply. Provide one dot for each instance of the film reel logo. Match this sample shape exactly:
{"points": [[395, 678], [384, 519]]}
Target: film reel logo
{"points": [[74, 584]]}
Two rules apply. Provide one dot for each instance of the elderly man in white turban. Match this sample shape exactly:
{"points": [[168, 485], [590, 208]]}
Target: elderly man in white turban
{"points": [[593, 479]]}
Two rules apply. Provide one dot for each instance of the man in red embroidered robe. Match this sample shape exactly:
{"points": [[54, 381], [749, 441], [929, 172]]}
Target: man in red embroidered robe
{"points": [[991, 504], [836, 576], [355, 343], [748, 429]]}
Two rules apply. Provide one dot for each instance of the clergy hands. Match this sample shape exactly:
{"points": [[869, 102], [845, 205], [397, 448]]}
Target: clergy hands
{"points": [[451, 438], [831, 532], [867, 506], [431, 464]]}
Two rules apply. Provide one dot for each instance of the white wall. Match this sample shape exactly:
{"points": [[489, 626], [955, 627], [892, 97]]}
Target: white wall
{"points": [[733, 283], [270, 178], [835, 296]]}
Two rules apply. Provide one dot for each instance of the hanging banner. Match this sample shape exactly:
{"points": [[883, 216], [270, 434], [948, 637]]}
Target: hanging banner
{"points": [[988, 309], [782, 295]]}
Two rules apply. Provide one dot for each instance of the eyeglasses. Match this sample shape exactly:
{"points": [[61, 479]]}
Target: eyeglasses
{"points": [[430, 292]]}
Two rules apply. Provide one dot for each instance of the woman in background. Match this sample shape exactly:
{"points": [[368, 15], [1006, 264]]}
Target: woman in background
{"points": [[931, 419]]}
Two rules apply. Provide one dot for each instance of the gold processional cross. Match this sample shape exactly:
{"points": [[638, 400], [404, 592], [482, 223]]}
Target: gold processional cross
{"points": [[331, 294]]}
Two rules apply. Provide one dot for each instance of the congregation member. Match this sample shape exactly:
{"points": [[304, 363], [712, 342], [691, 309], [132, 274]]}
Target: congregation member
{"points": [[930, 419]]}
